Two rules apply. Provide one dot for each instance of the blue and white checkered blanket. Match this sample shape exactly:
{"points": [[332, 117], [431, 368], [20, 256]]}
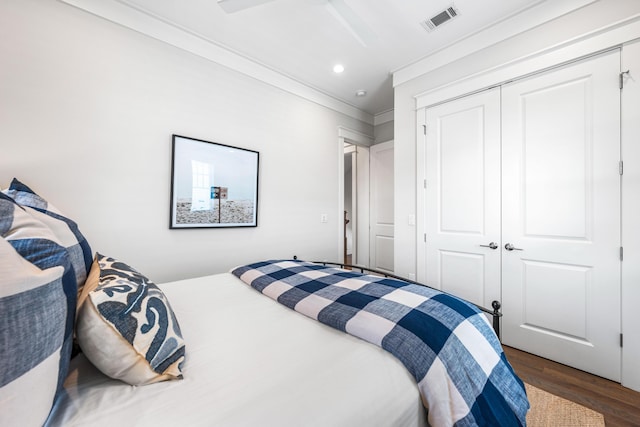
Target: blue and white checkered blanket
{"points": [[447, 344]]}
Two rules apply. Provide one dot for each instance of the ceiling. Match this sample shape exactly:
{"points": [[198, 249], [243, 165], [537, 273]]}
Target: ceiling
{"points": [[304, 39]]}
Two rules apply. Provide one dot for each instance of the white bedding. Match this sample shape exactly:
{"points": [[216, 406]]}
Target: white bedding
{"points": [[250, 362]]}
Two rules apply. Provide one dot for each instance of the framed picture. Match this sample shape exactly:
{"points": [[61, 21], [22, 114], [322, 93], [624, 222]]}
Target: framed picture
{"points": [[213, 185]]}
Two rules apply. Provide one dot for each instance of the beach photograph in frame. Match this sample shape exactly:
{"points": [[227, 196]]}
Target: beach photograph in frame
{"points": [[213, 185]]}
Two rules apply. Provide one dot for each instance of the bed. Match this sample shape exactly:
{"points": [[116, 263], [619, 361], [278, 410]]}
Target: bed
{"points": [[262, 345], [250, 362]]}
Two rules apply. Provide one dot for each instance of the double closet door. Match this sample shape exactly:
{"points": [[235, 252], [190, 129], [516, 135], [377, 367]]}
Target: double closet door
{"points": [[522, 205]]}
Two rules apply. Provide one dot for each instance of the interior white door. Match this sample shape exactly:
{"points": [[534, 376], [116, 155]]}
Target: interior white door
{"points": [[462, 200], [561, 213], [382, 215]]}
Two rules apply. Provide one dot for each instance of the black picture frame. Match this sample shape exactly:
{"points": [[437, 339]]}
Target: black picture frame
{"points": [[213, 185]]}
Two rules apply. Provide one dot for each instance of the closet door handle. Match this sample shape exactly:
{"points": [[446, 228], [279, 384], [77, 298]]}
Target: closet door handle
{"points": [[510, 247], [492, 245]]}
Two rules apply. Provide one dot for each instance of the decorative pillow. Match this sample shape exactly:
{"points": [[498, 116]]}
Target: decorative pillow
{"points": [[64, 229], [126, 327], [37, 307]]}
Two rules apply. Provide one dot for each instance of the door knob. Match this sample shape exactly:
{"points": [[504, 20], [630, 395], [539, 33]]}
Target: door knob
{"points": [[492, 245], [510, 247]]}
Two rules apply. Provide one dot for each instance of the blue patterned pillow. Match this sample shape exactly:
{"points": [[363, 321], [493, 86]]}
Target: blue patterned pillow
{"points": [[37, 306], [65, 229], [126, 327]]}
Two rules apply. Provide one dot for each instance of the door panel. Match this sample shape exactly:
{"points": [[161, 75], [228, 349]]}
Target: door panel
{"points": [[546, 307], [384, 251], [457, 270], [561, 210], [461, 163], [558, 151], [462, 197]]}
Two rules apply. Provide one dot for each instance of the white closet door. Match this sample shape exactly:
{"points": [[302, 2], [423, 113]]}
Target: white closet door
{"points": [[382, 221], [561, 211], [462, 200]]}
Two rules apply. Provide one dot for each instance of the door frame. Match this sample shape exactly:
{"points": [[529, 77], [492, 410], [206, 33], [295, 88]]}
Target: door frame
{"points": [[421, 195], [353, 219], [359, 139], [630, 149], [628, 374]]}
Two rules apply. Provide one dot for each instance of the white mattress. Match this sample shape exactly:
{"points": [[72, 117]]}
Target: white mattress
{"points": [[250, 362]]}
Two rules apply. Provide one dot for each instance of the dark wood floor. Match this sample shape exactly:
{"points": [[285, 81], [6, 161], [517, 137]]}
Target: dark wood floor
{"points": [[619, 405]]}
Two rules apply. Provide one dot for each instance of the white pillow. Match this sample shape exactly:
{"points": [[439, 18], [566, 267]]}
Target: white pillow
{"points": [[66, 230], [37, 304], [126, 327]]}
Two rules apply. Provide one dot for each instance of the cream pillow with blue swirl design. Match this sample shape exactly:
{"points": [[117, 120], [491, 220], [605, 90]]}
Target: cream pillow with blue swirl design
{"points": [[126, 327]]}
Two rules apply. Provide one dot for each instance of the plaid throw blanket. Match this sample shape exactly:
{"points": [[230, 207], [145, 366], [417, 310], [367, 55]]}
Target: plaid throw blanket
{"points": [[447, 344]]}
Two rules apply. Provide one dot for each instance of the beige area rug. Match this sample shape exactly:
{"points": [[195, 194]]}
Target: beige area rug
{"points": [[548, 410]]}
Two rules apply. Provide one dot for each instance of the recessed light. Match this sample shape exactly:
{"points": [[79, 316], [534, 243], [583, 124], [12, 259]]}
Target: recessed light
{"points": [[361, 93], [338, 68]]}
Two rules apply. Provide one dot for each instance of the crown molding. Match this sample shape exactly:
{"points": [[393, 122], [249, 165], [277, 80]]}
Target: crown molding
{"points": [[384, 117], [608, 37], [143, 22]]}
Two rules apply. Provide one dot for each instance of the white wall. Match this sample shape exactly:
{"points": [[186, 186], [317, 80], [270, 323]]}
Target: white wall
{"points": [[383, 132], [573, 27], [87, 110]]}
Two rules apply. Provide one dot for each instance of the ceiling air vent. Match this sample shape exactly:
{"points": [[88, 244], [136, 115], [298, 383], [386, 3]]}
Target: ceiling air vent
{"points": [[446, 15]]}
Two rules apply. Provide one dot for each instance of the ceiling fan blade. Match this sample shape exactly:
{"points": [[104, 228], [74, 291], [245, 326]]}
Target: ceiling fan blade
{"points": [[231, 6], [352, 22]]}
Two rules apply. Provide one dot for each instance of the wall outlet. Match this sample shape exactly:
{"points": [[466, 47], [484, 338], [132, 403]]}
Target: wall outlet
{"points": [[324, 218], [411, 220], [412, 276]]}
